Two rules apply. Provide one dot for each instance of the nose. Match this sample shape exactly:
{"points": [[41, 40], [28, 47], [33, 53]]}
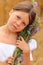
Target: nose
{"points": [[18, 23]]}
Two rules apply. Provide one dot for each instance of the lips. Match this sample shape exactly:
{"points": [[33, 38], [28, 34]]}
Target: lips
{"points": [[15, 26]]}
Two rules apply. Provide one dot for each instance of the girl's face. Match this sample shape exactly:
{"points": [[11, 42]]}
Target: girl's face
{"points": [[17, 21]]}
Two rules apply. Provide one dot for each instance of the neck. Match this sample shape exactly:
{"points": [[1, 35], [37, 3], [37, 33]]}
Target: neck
{"points": [[8, 32]]}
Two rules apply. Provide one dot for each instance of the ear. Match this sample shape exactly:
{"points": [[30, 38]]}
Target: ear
{"points": [[10, 12]]}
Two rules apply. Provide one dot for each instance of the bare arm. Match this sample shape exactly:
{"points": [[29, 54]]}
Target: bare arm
{"points": [[26, 59], [0, 63], [3, 63]]}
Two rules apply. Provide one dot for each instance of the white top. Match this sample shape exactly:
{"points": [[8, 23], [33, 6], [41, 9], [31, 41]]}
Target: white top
{"points": [[6, 50]]}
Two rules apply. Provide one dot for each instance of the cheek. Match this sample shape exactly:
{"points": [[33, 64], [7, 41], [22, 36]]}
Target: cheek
{"points": [[21, 28], [12, 20]]}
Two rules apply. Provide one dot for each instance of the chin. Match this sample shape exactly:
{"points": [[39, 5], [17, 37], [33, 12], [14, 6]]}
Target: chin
{"points": [[19, 31]]}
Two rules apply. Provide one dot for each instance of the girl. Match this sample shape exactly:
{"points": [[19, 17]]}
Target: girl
{"points": [[20, 17]]}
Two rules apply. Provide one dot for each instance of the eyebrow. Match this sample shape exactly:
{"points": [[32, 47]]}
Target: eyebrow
{"points": [[18, 16]]}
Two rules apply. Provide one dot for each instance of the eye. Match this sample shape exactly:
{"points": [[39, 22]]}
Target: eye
{"points": [[24, 23], [18, 17]]}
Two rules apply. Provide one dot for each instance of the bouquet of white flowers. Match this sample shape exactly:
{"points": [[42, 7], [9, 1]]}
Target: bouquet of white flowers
{"points": [[25, 34]]}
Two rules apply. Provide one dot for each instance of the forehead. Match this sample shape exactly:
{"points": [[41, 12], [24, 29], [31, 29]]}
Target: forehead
{"points": [[23, 15]]}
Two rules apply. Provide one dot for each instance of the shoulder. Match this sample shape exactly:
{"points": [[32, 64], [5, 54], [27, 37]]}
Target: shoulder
{"points": [[32, 44], [1, 29], [1, 34]]}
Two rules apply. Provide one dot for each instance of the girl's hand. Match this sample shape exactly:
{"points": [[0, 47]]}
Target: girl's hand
{"points": [[22, 45], [9, 61]]}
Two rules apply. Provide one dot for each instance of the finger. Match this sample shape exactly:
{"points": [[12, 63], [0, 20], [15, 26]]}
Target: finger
{"points": [[21, 38], [10, 59], [10, 62], [18, 42], [16, 45]]}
